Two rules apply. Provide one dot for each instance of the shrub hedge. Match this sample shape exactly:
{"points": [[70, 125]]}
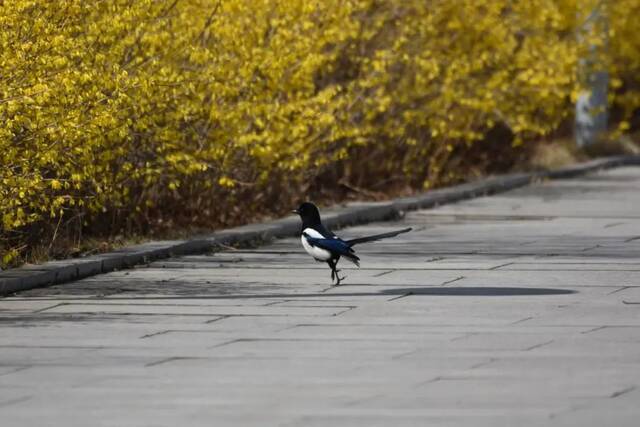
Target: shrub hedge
{"points": [[137, 114]]}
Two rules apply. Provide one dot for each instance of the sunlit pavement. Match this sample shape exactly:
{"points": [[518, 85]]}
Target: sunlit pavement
{"points": [[512, 310]]}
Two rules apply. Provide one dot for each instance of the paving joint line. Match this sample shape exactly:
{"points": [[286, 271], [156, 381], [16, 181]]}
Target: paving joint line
{"points": [[141, 314], [623, 288], [598, 328], [485, 363], [615, 224], [589, 248], [383, 273], [521, 320], [429, 381], [406, 353], [222, 317], [343, 311], [464, 336], [156, 333], [572, 408], [621, 392], [50, 307], [15, 400], [17, 369], [400, 296], [169, 359], [451, 281], [361, 400], [538, 345], [500, 266], [274, 303]]}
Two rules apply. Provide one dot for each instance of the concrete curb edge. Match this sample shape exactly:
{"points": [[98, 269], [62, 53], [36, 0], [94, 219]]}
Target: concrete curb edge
{"points": [[57, 272]]}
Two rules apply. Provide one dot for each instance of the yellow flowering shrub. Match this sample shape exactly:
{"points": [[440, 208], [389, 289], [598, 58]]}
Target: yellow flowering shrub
{"points": [[130, 115], [440, 75], [623, 53]]}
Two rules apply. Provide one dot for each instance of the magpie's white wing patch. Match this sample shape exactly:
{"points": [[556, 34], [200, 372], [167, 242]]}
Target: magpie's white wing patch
{"points": [[316, 252]]}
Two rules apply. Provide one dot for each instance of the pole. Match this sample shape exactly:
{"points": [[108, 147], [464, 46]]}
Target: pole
{"points": [[591, 106]]}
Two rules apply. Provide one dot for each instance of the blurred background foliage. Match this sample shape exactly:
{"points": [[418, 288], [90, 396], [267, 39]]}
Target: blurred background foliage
{"points": [[138, 117]]}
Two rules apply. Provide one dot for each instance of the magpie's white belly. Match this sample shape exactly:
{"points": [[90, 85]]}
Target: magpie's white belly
{"points": [[318, 253]]}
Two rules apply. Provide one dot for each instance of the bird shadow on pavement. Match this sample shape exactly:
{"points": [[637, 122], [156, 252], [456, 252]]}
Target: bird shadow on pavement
{"points": [[477, 291]]}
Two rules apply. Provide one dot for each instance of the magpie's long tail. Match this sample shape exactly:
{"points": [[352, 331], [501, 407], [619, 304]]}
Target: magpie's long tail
{"points": [[376, 237], [353, 258]]}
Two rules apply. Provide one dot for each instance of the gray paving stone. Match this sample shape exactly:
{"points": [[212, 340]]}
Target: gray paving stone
{"points": [[516, 309]]}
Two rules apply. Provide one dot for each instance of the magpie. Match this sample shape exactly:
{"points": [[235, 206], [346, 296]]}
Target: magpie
{"points": [[325, 246]]}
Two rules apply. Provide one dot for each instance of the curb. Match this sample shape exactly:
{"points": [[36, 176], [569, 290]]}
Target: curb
{"points": [[57, 272]]}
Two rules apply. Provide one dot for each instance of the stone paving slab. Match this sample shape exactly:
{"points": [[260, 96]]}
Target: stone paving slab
{"points": [[520, 309]]}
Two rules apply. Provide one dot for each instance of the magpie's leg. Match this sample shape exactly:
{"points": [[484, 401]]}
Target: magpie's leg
{"points": [[334, 271], [337, 270]]}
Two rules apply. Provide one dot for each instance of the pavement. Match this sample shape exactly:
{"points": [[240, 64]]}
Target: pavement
{"points": [[520, 309]]}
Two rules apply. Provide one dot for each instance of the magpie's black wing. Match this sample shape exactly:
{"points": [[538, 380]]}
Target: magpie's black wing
{"points": [[376, 237], [335, 246]]}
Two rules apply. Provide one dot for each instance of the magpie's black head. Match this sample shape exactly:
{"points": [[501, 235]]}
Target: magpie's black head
{"points": [[308, 213]]}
